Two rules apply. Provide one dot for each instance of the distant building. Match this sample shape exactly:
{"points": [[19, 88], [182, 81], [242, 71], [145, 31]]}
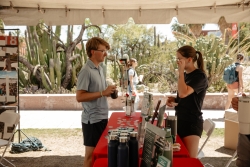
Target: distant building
{"points": [[209, 29]]}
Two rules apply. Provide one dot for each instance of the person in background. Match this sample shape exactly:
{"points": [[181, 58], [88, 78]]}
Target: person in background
{"points": [[192, 87], [133, 81], [243, 147], [237, 86], [92, 92]]}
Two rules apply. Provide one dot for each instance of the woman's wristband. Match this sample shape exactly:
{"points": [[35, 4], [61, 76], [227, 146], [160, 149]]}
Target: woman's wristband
{"points": [[101, 93]]}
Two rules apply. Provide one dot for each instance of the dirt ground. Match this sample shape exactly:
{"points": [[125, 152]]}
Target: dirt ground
{"points": [[67, 150]]}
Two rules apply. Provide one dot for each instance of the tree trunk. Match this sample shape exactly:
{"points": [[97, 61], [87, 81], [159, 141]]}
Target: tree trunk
{"points": [[69, 50]]}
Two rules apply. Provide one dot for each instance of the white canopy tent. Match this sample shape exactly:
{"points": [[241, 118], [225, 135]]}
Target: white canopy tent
{"points": [[74, 12]]}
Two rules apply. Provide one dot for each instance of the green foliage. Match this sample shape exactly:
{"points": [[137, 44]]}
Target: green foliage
{"points": [[156, 59], [243, 36], [216, 55], [161, 67]]}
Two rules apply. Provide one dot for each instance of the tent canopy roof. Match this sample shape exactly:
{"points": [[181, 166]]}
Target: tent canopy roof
{"points": [[61, 12]]}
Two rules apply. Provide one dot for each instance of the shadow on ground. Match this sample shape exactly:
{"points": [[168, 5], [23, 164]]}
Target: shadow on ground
{"points": [[217, 162], [225, 151], [46, 161]]}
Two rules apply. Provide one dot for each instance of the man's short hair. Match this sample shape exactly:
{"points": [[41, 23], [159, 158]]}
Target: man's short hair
{"points": [[93, 44]]}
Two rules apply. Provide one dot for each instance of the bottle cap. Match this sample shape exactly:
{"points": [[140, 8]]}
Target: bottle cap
{"points": [[130, 129], [170, 117], [113, 137], [123, 139], [115, 133], [124, 131], [133, 134], [123, 134]]}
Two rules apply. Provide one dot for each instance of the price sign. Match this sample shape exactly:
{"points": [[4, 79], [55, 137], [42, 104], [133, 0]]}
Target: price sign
{"points": [[8, 41]]}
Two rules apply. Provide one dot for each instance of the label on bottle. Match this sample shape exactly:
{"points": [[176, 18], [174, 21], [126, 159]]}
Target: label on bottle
{"points": [[163, 162]]}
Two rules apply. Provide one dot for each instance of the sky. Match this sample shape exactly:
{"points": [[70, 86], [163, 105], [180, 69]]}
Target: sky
{"points": [[162, 29]]}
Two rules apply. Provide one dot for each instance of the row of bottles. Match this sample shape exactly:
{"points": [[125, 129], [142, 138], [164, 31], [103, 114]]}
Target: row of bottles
{"points": [[123, 152]]}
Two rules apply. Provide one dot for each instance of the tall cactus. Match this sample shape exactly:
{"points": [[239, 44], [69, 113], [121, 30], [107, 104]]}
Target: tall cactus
{"points": [[48, 66]]}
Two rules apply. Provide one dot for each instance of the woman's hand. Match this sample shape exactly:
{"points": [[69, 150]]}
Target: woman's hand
{"points": [[170, 101], [181, 65]]}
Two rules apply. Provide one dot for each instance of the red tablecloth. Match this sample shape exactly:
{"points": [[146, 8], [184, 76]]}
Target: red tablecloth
{"points": [[118, 119], [178, 162]]}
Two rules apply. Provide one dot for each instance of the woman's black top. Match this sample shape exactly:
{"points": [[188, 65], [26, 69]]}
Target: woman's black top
{"points": [[189, 108]]}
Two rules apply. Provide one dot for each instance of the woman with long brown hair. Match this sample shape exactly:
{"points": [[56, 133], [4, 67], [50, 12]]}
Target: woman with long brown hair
{"points": [[192, 87]]}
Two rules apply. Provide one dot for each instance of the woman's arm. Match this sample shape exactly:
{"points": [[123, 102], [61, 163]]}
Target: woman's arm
{"points": [[131, 77], [183, 89]]}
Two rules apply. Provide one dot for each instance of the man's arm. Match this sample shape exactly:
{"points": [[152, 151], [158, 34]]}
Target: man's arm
{"points": [[84, 96]]}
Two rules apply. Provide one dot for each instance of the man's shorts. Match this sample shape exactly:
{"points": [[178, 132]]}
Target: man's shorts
{"points": [[243, 151], [93, 132]]}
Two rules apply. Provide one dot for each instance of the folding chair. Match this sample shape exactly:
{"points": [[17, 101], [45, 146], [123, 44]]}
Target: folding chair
{"points": [[8, 124], [231, 159], [208, 127]]}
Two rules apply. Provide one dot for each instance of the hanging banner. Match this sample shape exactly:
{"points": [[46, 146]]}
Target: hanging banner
{"points": [[234, 30], [8, 70]]}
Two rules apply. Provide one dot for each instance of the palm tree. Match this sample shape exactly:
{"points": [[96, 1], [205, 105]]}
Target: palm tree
{"points": [[188, 29], [196, 29], [225, 29]]}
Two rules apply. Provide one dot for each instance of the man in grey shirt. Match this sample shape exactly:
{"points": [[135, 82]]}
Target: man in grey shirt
{"points": [[92, 91]]}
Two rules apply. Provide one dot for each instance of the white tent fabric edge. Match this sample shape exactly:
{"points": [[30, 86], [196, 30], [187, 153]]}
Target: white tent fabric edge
{"points": [[194, 14]]}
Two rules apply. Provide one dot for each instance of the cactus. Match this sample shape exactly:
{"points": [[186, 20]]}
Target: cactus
{"points": [[47, 65]]}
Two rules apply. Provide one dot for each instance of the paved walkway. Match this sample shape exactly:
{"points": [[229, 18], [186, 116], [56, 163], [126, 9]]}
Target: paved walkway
{"points": [[46, 119]]}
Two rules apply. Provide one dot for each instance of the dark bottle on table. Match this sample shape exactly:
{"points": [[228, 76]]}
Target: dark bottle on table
{"points": [[133, 150], [114, 95], [122, 157], [112, 151]]}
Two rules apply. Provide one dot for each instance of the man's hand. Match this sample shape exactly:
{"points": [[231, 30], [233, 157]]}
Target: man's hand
{"points": [[235, 102], [110, 89]]}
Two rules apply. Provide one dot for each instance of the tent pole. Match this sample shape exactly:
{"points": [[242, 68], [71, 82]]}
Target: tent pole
{"points": [[238, 37]]}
